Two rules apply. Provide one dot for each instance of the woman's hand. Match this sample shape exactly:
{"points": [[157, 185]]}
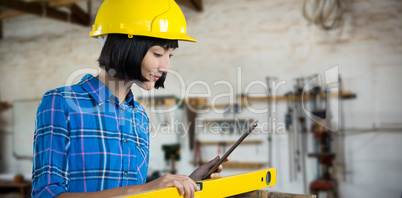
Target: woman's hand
{"points": [[204, 169], [183, 183]]}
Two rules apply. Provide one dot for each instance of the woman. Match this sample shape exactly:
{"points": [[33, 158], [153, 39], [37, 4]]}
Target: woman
{"points": [[91, 139]]}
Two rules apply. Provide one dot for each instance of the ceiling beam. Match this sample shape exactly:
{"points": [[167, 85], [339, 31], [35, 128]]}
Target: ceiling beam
{"points": [[36, 9], [192, 4], [18, 13], [59, 3], [89, 11], [1, 27], [197, 4], [79, 14], [10, 14], [29, 1]]}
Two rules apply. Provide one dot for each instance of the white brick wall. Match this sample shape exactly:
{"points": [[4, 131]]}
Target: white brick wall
{"points": [[265, 38]]}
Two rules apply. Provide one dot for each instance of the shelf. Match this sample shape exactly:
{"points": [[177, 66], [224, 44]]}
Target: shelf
{"points": [[343, 95], [201, 103]]}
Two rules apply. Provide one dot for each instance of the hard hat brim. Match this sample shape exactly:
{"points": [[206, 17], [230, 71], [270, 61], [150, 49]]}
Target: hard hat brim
{"points": [[164, 35]]}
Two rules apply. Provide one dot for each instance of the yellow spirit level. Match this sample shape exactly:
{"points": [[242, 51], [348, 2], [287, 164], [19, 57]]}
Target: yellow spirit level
{"points": [[220, 187]]}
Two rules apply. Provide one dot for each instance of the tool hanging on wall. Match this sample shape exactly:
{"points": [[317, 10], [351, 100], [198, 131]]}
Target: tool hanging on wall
{"points": [[341, 132], [323, 142], [172, 154], [270, 80], [191, 116], [289, 128], [303, 131], [326, 14], [298, 93], [231, 109]]}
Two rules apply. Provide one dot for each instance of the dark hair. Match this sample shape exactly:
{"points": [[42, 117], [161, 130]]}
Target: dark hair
{"points": [[124, 55]]}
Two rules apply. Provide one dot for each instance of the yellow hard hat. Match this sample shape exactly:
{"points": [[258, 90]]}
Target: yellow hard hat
{"points": [[152, 18]]}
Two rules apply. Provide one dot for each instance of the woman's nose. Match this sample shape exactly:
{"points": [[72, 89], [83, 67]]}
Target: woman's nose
{"points": [[165, 65]]}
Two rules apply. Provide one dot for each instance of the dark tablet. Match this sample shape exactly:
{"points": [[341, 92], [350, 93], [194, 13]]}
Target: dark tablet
{"points": [[222, 159]]}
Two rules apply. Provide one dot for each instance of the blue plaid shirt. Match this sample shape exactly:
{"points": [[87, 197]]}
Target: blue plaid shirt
{"points": [[85, 141]]}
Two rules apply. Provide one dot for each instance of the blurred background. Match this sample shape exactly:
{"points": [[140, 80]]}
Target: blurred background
{"points": [[254, 60]]}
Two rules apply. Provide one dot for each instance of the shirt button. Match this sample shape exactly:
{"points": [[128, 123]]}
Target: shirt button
{"points": [[125, 140], [121, 110], [125, 173]]}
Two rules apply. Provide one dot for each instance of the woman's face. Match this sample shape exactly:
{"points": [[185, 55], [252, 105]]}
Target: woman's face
{"points": [[155, 62]]}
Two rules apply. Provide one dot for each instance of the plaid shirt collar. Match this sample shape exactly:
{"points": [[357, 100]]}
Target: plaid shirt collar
{"points": [[100, 92]]}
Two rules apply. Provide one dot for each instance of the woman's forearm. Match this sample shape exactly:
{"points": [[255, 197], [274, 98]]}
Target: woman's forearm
{"points": [[107, 193], [184, 184]]}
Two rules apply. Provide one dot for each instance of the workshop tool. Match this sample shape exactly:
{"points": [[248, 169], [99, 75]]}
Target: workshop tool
{"points": [[303, 126], [298, 93], [220, 187], [295, 143], [270, 80], [231, 109], [323, 140], [191, 119], [293, 136], [172, 154], [322, 12], [341, 131], [289, 129], [317, 110]]}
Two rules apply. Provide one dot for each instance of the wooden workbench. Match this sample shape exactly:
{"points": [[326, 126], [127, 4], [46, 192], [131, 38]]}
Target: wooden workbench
{"points": [[266, 194], [23, 188]]}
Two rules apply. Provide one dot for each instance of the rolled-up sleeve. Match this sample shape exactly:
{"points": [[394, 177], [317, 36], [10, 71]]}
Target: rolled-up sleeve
{"points": [[50, 175]]}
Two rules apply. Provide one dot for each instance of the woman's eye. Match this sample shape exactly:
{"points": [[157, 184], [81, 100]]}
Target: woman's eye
{"points": [[157, 55], [170, 55]]}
